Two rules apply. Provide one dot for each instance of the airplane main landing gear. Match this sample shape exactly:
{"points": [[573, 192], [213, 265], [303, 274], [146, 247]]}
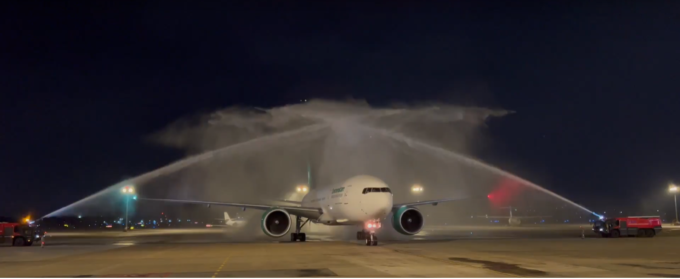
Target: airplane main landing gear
{"points": [[297, 235]]}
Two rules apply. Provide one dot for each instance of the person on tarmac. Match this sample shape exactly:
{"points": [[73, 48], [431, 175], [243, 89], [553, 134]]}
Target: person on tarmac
{"points": [[42, 239]]}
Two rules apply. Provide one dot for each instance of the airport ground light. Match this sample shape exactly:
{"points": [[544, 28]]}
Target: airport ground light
{"points": [[302, 188], [128, 191], [674, 190]]}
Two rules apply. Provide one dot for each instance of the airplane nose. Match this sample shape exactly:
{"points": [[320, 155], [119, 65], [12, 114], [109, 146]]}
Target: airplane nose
{"points": [[377, 205]]}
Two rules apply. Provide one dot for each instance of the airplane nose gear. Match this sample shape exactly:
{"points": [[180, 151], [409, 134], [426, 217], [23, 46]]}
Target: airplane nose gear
{"points": [[297, 235], [369, 235], [371, 239]]}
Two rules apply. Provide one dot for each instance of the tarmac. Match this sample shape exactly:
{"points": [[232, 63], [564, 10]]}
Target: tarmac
{"points": [[445, 251]]}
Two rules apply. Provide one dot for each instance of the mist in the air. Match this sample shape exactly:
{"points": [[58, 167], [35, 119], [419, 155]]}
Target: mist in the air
{"points": [[259, 155], [345, 139]]}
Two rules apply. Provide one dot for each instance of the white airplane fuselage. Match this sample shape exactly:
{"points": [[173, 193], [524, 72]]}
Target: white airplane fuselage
{"points": [[357, 200]]}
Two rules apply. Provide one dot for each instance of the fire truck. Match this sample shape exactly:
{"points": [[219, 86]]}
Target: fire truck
{"points": [[641, 226], [16, 234]]}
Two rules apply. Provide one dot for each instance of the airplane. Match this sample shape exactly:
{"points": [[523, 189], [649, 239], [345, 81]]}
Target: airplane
{"points": [[362, 200], [513, 220], [229, 222]]}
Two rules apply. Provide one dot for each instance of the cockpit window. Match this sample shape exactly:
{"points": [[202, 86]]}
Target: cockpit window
{"points": [[376, 190]]}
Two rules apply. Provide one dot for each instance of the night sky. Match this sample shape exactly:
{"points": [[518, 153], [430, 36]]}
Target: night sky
{"points": [[595, 84]]}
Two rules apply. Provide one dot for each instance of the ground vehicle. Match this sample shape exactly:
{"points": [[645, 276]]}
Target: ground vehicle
{"points": [[16, 234], [643, 226]]}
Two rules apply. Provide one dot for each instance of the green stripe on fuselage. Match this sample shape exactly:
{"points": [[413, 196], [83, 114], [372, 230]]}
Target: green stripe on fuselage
{"points": [[338, 190]]}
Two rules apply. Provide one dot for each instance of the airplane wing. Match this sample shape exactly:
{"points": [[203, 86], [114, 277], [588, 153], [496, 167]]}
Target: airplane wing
{"points": [[432, 202], [307, 212], [289, 201]]}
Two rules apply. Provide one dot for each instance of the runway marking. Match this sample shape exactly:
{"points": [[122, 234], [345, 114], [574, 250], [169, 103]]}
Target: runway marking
{"points": [[221, 266]]}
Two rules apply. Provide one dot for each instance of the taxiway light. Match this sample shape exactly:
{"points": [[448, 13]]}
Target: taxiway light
{"points": [[128, 189]]}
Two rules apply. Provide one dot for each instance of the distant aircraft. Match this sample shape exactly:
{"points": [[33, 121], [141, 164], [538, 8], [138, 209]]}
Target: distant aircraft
{"points": [[229, 222], [362, 200], [513, 220]]}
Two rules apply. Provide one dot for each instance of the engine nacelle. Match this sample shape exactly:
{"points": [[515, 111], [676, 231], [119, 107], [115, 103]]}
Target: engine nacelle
{"points": [[407, 220], [276, 222], [514, 221]]}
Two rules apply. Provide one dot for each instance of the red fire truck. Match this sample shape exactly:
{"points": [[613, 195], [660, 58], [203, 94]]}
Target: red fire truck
{"points": [[642, 226], [16, 234]]}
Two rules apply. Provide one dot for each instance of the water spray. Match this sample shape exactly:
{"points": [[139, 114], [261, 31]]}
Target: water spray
{"points": [[337, 116], [601, 217], [184, 163], [438, 150]]}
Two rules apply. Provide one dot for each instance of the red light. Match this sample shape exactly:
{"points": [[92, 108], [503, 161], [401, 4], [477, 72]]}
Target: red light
{"points": [[373, 225], [162, 213], [488, 196]]}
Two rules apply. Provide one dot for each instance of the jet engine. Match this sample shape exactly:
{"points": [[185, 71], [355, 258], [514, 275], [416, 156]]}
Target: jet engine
{"points": [[276, 222], [407, 220], [514, 221]]}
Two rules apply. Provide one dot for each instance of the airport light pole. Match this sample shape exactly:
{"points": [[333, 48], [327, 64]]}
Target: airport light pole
{"points": [[302, 188], [674, 189], [127, 191]]}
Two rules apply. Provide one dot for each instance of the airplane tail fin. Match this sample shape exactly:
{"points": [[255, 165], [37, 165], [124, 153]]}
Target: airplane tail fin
{"points": [[510, 208], [226, 216]]}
